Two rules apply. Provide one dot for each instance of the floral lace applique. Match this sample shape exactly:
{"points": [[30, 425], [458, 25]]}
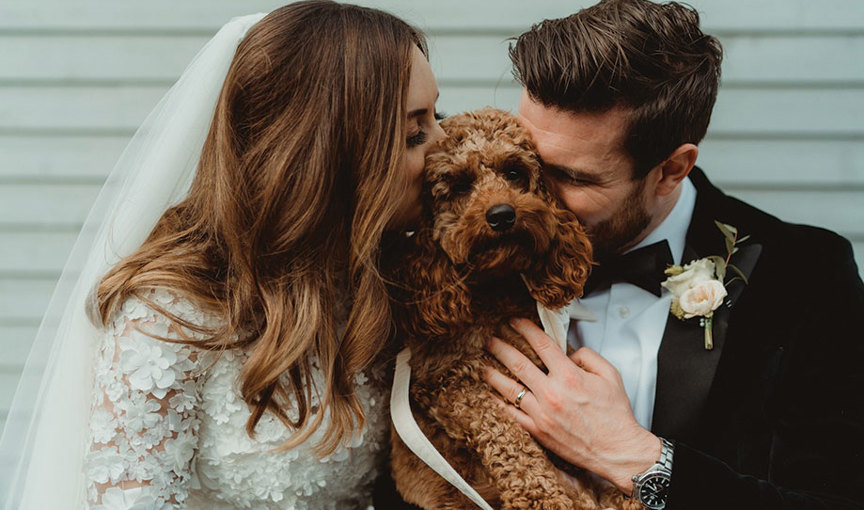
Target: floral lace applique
{"points": [[143, 425], [168, 428]]}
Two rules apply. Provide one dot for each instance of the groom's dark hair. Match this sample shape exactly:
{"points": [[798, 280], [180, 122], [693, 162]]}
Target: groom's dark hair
{"points": [[651, 59]]}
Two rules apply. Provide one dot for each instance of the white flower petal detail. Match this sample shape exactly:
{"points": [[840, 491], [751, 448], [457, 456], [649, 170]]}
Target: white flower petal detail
{"points": [[695, 272], [102, 425], [180, 427], [702, 299]]}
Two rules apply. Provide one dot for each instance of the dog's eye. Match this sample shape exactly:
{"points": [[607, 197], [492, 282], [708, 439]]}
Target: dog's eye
{"points": [[459, 188], [514, 174]]}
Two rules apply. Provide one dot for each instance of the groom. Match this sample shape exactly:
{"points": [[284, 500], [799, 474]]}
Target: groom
{"points": [[616, 98]]}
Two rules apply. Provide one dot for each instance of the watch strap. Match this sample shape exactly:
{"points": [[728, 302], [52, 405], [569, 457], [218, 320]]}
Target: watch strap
{"points": [[662, 466], [666, 453]]}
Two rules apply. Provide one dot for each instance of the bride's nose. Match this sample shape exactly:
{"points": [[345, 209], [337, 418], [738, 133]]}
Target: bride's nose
{"points": [[438, 133]]}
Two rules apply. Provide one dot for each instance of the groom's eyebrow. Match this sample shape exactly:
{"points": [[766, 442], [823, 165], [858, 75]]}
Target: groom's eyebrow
{"points": [[572, 173]]}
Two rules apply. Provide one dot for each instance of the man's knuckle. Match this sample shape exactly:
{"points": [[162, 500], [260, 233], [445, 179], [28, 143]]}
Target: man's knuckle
{"points": [[512, 393], [553, 401], [570, 379], [519, 367], [585, 353]]}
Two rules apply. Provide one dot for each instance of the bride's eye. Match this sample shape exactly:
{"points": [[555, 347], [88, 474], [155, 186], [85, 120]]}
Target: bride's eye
{"points": [[416, 140]]}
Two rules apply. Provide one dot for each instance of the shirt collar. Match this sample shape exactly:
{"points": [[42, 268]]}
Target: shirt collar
{"points": [[674, 228]]}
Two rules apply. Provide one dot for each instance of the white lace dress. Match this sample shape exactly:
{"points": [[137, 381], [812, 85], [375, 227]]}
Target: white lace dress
{"points": [[168, 429]]}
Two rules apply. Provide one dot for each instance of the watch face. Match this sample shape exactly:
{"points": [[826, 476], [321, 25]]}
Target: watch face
{"points": [[652, 492]]}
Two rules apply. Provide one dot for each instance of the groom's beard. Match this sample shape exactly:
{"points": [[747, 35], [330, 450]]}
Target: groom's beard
{"points": [[609, 236]]}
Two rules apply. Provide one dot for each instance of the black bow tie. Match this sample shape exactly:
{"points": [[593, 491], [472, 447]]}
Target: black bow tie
{"points": [[643, 267]]}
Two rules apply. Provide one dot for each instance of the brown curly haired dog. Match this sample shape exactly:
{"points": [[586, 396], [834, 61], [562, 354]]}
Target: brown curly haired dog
{"points": [[494, 242]]}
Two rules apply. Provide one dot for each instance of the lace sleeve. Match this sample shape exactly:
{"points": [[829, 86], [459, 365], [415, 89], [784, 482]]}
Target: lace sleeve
{"points": [[143, 422]]}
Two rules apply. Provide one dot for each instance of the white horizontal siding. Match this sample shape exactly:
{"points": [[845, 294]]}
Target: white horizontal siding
{"points": [[742, 112], [76, 78], [751, 59], [15, 345], [58, 158], [34, 252], [8, 383], [40, 206], [783, 162], [447, 15]]}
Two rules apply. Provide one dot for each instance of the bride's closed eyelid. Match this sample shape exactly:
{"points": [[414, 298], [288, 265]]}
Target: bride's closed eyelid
{"points": [[416, 140], [421, 137]]}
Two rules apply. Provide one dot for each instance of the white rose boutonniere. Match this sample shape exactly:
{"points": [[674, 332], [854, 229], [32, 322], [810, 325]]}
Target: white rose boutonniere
{"points": [[698, 287], [693, 273], [702, 299]]}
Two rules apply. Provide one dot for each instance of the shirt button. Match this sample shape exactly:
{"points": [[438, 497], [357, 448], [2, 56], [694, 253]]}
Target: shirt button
{"points": [[623, 312]]}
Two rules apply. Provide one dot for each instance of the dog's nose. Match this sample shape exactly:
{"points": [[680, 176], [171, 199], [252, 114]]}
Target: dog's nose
{"points": [[500, 217]]}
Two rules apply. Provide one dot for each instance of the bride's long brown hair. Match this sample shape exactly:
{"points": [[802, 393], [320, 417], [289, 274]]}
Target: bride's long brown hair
{"points": [[298, 179]]}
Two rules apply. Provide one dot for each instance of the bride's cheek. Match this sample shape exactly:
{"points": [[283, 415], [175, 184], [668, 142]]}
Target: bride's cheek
{"points": [[416, 164]]}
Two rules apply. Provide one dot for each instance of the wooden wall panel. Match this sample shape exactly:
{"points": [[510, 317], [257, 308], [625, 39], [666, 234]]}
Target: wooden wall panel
{"points": [[752, 112], [785, 16], [160, 58]]}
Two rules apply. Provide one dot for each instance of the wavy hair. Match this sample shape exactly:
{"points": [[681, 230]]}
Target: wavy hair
{"points": [[652, 59], [299, 176]]}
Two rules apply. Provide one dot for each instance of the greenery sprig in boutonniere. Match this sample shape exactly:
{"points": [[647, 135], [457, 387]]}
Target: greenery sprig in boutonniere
{"points": [[699, 288]]}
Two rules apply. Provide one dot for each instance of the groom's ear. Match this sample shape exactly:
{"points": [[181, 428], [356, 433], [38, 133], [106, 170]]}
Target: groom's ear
{"points": [[675, 168]]}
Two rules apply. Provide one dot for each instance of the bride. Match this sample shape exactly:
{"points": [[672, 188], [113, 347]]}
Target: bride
{"points": [[216, 339]]}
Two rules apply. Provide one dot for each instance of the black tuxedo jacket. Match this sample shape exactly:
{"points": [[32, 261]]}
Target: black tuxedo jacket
{"points": [[773, 416]]}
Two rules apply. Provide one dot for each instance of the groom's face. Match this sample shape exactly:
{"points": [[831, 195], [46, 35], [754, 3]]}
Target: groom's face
{"points": [[586, 166]]}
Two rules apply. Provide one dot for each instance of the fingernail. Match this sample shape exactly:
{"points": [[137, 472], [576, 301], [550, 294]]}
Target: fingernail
{"points": [[489, 342], [514, 322]]}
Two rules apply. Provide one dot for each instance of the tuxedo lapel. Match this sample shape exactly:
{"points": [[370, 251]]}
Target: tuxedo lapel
{"points": [[685, 369], [684, 373], [745, 260]]}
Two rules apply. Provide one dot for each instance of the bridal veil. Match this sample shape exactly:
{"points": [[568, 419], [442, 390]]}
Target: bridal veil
{"points": [[45, 439]]}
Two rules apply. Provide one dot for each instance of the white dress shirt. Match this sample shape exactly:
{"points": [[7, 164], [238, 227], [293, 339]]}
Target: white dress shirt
{"points": [[630, 321]]}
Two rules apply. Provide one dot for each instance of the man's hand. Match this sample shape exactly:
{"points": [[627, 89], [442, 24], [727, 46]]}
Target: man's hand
{"points": [[579, 410]]}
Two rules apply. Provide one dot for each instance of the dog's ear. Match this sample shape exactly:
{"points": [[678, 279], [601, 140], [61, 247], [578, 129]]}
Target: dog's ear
{"points": [[437, 298], [560, 276]]}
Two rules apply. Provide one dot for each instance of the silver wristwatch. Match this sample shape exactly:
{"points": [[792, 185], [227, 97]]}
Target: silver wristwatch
{"points": [[651, 486]]}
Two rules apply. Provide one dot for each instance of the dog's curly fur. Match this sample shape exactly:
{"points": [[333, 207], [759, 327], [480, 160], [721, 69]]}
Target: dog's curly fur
{"points": [[461, 280]]}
